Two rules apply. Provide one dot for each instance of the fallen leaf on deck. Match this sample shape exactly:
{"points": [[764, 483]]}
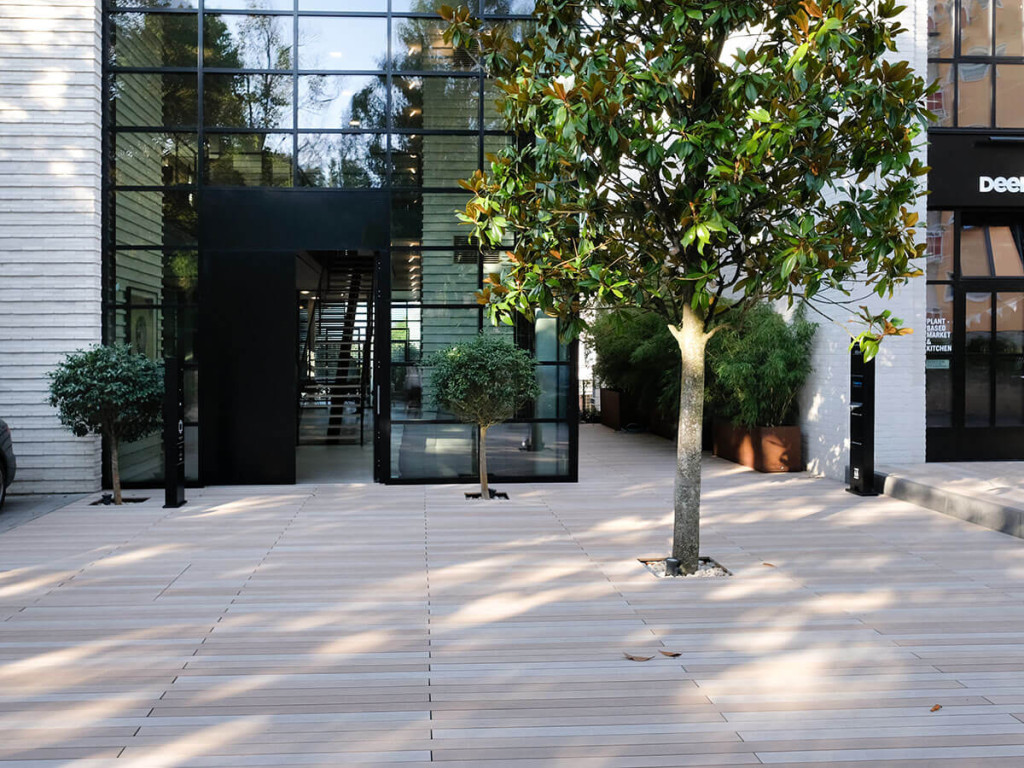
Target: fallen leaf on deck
{"points": [[670, 654], [770, 565], [631, 657], [936, 708]]}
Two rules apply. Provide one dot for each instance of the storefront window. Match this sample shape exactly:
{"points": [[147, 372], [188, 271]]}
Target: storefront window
{"points": [[974, 74], [1010, 96], [1010, 27], [975, 94], [939, 255], [940, 28]]}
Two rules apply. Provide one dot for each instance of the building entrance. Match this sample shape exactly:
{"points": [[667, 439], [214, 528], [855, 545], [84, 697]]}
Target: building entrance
{"points": [[286, 326], [336, 341], [975, 336]]}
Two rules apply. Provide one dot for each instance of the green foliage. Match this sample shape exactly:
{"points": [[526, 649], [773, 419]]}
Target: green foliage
{"points": [[758, 366], [689, 150], [636, 354], [483, 381], [108, 390]]}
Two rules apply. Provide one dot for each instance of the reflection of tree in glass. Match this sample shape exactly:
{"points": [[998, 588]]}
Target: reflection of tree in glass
{"points": [[251, 100], [361, 161], [255, 100], [342, 160], [345, 160]]}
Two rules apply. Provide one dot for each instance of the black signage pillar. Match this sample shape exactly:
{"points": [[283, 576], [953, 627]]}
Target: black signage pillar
{"points": [[174, 433], [862, 424]]}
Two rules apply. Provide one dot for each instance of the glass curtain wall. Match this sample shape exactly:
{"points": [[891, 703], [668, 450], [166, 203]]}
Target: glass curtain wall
{"points": [[316, 94]]}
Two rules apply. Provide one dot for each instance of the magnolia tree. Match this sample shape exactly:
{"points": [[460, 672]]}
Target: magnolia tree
{"points": [[110, 391], [694, 158], [483, 382]]}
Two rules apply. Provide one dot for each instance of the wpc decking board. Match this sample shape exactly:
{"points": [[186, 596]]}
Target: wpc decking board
{"points": [[335, 625]]}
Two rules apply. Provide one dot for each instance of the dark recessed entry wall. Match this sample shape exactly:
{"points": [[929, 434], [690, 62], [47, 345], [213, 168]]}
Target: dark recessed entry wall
{"points": [[293, 219], [248, 368], [248, 322]]}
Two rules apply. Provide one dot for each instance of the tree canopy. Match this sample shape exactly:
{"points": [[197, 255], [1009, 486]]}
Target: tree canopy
{"points": [[483, 381], [686, 151]]}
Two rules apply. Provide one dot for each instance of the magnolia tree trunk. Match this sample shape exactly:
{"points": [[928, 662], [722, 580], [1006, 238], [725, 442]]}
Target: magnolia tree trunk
{"points": [[686, 529], [485, 491], [115, 470]]}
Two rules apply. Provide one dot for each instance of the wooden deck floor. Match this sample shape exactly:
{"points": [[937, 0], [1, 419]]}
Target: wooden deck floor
{"points": [[348, 625]]}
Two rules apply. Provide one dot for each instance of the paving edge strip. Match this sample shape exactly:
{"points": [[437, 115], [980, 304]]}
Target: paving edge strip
{"points": [[972, 509]]}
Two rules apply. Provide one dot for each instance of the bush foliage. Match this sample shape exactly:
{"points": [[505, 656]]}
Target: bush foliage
{"points": [[483, 381], [110, 391], [637, 355], [757, 367]]}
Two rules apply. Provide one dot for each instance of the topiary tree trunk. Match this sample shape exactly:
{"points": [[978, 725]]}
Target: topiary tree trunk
{"points": [[485, 491], [115, 465]]}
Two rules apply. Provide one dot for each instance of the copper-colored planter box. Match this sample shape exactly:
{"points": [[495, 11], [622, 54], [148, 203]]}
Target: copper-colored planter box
{"points": [[766, 449]]}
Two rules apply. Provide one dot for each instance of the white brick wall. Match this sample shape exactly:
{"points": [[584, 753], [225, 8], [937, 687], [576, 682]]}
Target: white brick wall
{"points": [[50, 105], [900, 403]]}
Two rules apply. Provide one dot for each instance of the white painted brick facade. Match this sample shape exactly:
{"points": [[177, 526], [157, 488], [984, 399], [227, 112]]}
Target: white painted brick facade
{"points": [[900, 371], [50, 118]]}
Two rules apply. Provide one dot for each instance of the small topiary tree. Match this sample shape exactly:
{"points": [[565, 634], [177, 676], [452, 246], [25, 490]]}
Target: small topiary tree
{"points": [[483, 382], [110, 391]]}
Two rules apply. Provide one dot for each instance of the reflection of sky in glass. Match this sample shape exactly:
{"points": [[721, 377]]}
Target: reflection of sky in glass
{"points": [[342, 6], [342, 44], [249, 5], [325, 101], [502, 7]]}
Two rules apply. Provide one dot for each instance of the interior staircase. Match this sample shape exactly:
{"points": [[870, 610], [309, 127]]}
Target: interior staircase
{"points": [[336, 342]]}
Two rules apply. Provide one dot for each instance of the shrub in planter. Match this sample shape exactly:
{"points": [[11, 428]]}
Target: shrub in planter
{"points": [[110, 391], [756, 371], [483, 382], [637, 356]]}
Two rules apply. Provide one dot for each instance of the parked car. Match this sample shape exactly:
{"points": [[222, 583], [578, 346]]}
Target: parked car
{"points": [[8, 466]]}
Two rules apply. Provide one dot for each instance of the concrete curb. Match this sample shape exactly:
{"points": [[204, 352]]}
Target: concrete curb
{"points": [[973, 509]]}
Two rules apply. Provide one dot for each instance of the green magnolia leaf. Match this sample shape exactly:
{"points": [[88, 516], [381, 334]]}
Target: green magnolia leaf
{"points": [[760, 114], [797, 56]]}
